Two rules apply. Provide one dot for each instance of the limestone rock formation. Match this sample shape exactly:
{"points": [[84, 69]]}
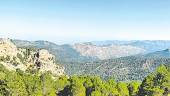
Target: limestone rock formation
{"points": [[7, 48], [28, 59], [45, 62]]}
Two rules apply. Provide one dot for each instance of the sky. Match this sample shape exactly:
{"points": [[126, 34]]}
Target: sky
{"points": [[68, 21]]}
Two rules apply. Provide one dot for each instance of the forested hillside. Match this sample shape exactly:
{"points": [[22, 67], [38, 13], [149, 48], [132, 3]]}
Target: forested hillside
{"points": [[19, 83], [123, 69]]}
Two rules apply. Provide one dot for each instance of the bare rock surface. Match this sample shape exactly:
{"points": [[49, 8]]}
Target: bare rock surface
{"points": [[28, 59]]}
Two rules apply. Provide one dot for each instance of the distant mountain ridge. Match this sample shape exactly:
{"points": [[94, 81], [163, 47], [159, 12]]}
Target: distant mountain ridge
{"points": [[107, 52], [64, 53], [83, 51], [148, 45], [163, 53], [90, 50]]}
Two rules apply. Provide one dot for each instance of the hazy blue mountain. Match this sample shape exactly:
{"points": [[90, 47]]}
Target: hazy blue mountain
{"points": [[149, 45], [164, 53], [152, 45], [112, 42]]}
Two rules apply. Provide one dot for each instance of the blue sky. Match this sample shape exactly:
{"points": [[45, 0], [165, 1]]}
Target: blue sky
{"points": [[67, 21]]}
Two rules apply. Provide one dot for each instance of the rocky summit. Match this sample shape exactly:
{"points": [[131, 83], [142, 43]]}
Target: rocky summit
{"points": [[28, 59]]}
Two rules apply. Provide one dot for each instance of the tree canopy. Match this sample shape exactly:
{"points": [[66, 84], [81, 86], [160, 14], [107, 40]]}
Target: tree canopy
{"points": [[19, 83]]}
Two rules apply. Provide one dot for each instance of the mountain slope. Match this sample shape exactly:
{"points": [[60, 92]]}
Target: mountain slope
{"points": [[64, 53], [164, 53], [126, 68], [106, 52], [82, 52]]}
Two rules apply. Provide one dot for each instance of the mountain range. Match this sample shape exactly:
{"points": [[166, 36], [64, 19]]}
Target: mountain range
{"points": [[123, 60]]}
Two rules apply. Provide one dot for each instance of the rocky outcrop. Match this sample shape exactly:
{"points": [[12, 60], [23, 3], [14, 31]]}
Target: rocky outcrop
{"points": [[28, 59], [45, 62], [7, 48]]}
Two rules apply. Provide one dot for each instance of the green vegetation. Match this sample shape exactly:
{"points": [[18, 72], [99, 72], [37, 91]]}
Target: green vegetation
{"points": [[20, 57], [156, 84], [122, 69], [19, 83], [2, 58], [7, 58]]}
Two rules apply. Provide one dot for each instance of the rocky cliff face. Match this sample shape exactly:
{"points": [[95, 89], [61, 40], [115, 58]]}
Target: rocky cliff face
{"points": [[107, 52], [45, 62], [7, 48], [28, 59]]}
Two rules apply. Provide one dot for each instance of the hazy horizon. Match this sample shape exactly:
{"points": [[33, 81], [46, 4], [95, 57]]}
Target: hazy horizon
{"points": [[87, 41], [67, 21]]}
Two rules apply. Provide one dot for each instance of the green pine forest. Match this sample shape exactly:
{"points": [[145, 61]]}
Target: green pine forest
{"points": [[18, 83]]}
